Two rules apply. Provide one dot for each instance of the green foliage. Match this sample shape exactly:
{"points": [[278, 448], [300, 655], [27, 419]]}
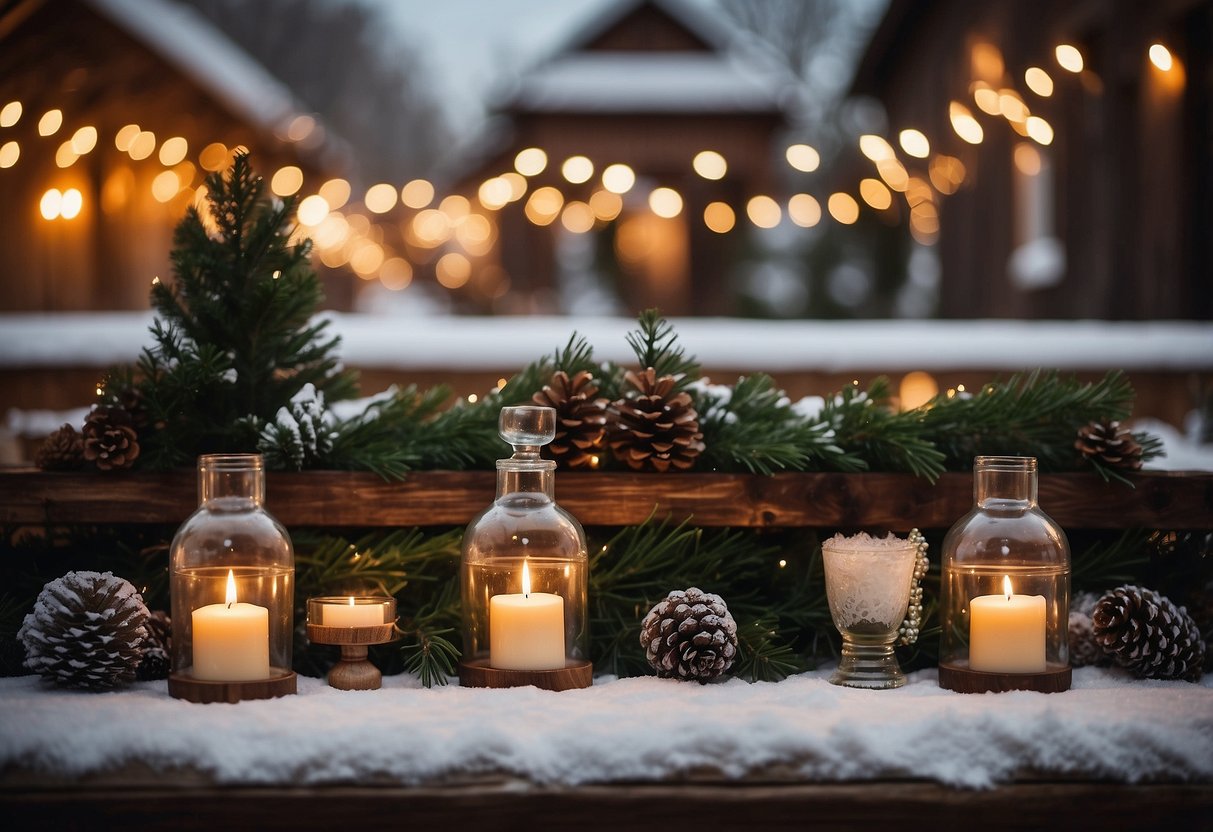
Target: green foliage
{"points": [[235, 338], [656, 345], [869, 429]]}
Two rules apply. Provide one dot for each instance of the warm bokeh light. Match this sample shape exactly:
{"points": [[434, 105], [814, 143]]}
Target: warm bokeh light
{"points": [[964, 124], [430, 228], [1027, 159], [918, 190], [803, 157], [916, 389], [10, 114], [395, 273], [1040, 130], [417, 194], [843, 208], [665, 202], [1012, 106], [475, 234], [986, 62], [1160, 56], [173, 150], [380, 198], [986, 98], [73, 202], [719, 217], [577, 217], [453, 270], [1069, 58], [606, 205], [531, 161], [286, 181], [804, 210], [544, 205], [165, 186], [65, 157], [875, 147], [710, 165], [875, 194], [10, 152], [142, 145], [213, 157], [517, 184], [300, 128], [84, 140], [336, 193], [763, 211], [1038, 81], [947, 173], [494, 193], [455, 206], [924, 223], [893, 173], [367, 257], [312, 210], [914, 143], [618, 178], [577, 169], [52, 120], [50, 204]]}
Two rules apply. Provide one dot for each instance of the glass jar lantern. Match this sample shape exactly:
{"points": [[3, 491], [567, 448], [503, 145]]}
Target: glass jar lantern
{"points": [[525, 572], [1005, 592], [232, 572]]}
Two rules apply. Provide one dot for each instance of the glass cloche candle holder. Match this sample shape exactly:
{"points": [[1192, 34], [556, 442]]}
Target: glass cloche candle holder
{"points": [[524, 573], [232, 572], [1005, 591]]}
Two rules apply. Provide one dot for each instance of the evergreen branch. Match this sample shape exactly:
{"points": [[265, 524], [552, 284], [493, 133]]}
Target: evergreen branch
{"points": [[388, 563], [656, 345], [1107, 563], [867, 427], [431, 657], [761, 657]]}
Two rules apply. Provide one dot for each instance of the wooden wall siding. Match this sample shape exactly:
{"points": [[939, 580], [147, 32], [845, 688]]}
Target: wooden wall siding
{"points": [[438, 498]]}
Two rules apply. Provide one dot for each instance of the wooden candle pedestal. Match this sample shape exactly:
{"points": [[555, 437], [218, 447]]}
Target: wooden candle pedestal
{"points": [[962, 679], [477, 673], [183, 686], [354, 671]]}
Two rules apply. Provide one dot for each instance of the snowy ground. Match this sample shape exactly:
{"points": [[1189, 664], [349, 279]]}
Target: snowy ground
{"points": [[1108, 727]]}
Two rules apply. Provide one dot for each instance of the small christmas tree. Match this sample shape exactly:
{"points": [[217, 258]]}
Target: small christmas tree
{"points": [[235, 340]]}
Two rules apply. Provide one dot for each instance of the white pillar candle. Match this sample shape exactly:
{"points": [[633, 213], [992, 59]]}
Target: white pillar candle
{"points": [[1007, 632], [352, 614], [526, 631], [231, 641]]}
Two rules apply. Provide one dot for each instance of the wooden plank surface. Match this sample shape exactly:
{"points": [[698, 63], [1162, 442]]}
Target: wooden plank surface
{"points": [[714, 805], [890, 501]]}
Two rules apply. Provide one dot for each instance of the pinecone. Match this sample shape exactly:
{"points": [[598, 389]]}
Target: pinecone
{"points": [[110, 439], [690, 635], [1109, 443], [580, 418], [1083, 649], [1147, 634], [87, 630], [63, 450], [654, 429], [157, 648]]}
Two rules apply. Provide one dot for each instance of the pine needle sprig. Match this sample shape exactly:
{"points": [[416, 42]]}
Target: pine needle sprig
{"points": [[656, 345], [389, 563], [868, 428], [427, 652], [762, 656]]}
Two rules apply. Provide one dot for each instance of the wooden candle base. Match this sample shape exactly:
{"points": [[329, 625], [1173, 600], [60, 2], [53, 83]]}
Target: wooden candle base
{"points": [[354, 671], [960, 678], [476, 673], [183, 686]]}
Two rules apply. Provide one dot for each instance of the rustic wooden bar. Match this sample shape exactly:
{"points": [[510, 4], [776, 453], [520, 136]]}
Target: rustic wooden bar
{"points": [[1165, 500]]}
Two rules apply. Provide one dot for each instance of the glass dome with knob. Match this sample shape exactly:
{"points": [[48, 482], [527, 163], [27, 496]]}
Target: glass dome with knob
{"points": [[525, 573]]}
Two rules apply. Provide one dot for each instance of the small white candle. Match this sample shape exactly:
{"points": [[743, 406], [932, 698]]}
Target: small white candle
{"points": [[526, 631], [1007, 632], [352, 614], [231, 641]]}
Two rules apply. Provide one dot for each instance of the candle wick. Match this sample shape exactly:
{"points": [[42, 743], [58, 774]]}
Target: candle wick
{"points": [[229, 604]]}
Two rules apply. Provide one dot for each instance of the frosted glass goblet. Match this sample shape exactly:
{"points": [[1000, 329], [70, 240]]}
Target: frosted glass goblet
{"points": [[868, 587]]}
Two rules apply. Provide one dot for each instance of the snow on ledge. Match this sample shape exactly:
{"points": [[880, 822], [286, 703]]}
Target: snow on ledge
{"points": [[506, 344]]}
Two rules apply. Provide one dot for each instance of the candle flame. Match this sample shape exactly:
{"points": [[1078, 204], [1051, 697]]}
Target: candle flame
{"points": [[231, 588], [1006, 586], [526, 579]]}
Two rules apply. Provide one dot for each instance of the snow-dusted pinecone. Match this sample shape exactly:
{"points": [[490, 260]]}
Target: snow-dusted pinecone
{"points": [[690, 635], [110, 439], [1147, 634], [1083, 649], [655, 428], [580, 418], [63, 450], [1109, 443], [87, 630], [157, 649]]}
